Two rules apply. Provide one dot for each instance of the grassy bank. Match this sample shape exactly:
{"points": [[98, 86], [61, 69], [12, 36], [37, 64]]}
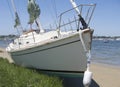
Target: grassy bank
{"points": [[14, 76]]}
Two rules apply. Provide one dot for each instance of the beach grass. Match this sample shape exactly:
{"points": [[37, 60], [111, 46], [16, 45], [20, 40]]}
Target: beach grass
{"points": [[16, 76]]}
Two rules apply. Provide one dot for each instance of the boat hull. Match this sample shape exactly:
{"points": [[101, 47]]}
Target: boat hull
{"points": [[64, 55]]}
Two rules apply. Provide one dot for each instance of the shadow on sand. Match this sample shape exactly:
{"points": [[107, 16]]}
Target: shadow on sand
{"points": [[75, 82]]}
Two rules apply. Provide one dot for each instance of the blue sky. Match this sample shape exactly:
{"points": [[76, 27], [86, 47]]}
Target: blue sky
{"points": [[105, 21]]}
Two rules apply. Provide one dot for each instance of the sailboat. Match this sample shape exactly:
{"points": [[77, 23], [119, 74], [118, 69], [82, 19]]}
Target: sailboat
{"points": [[57, 51]]}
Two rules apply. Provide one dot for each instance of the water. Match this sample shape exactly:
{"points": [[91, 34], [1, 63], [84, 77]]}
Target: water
{"points": [[106, 53], [3, 44]]}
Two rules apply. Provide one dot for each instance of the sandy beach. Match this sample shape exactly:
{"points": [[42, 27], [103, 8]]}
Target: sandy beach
{"points": [[5, 55], [103, 75]]}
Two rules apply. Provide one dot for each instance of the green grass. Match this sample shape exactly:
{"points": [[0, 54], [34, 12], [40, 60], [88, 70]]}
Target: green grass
{"points": [[15, 76]]}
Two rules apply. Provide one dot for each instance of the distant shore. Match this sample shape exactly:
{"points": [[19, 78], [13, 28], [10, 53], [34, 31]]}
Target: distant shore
{"points": [[103, 75], [11, 37]]}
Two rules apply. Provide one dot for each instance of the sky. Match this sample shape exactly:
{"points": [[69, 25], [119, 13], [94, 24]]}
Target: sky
{"points": [[105, 20]]}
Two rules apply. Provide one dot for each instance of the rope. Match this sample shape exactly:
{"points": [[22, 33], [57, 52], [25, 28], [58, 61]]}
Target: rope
{"points": [[88, 53]]}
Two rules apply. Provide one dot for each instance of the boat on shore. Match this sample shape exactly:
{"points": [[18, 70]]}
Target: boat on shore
{"points": [[57, 50]]}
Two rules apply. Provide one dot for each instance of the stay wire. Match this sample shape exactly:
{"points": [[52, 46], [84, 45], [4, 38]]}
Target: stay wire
{"points": [[55, 11], [10, 9]]}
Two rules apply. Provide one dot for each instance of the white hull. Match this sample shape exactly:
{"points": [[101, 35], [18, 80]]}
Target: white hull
{"points": [[60, 55]]}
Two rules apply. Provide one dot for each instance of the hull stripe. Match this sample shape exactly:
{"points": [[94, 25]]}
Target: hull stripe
{"points": [[59, 71], [46, 48]]}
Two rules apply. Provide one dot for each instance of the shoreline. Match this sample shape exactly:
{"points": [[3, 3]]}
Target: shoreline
{"points": [[106, 65]]}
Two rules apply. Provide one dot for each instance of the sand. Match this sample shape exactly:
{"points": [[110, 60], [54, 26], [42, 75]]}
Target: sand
{"points": [[5, 55], [103, 75]]}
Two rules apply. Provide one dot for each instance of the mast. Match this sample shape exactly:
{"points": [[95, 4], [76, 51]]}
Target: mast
{"points": [[84, 24], [34, 13]]}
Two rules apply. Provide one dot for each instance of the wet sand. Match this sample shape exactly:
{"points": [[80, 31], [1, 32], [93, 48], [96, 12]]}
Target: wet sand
{"points": [[103, 75]]}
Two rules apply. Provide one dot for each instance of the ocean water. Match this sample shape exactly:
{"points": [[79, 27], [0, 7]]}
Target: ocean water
{"points": [[106, 53], [3, 44]]}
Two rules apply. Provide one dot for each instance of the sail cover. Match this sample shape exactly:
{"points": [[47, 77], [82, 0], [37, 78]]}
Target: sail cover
{"points": [[33, 10], [17, 20]]}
